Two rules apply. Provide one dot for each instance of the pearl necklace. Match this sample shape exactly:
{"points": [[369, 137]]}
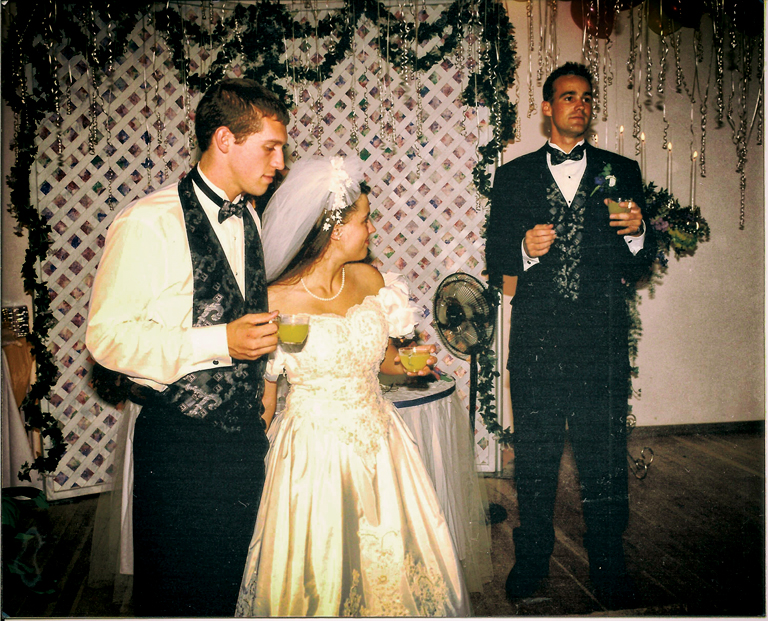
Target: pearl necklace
{"points": [[333, 297]]}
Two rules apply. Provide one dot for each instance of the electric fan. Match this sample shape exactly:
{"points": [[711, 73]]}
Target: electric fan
{"points": [[465, 323]]}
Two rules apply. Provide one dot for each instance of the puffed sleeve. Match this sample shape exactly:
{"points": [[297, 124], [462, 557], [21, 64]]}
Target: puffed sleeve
{"points": [[275, 365], [402, 314]]}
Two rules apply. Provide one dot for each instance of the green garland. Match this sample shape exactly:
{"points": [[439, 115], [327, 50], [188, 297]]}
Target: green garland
{"points": [[254, 35]]}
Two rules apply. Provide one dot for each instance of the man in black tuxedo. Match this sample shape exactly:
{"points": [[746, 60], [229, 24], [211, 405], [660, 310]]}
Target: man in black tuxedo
{"points": [[550, 228]]}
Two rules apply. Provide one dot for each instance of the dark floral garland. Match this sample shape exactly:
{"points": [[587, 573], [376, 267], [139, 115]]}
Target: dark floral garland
{"points": [[252, 34]]}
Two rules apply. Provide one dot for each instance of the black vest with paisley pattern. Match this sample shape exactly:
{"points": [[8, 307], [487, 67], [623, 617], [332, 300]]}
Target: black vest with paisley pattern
{"points": [[227, 397]]}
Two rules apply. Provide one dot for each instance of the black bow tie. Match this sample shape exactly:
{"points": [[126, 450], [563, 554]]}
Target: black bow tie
{"points": [[558, 157], [226, 208]]}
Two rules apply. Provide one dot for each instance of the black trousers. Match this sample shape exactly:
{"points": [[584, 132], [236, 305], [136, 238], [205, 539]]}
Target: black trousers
{"points": [[196, 495], [595, 414]]}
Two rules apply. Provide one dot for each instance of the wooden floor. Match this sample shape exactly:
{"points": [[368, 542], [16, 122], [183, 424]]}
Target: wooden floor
{"points": [[695, 543]]}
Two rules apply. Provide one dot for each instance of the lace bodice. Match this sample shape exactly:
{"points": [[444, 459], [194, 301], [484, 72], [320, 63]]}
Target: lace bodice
{"points": [[334, 378]]}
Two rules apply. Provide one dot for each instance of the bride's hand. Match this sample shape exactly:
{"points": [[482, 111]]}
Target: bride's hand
{"points": [[427, 368]]}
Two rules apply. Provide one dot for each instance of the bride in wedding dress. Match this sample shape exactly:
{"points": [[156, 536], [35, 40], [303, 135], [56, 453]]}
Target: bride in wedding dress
{"points": [[349, 522]]}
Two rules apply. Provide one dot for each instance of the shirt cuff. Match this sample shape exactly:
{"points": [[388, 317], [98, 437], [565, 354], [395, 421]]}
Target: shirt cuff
{"points": [[209, 345], [635, 244], [529, 262]]}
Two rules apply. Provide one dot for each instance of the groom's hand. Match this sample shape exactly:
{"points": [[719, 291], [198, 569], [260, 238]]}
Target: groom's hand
{"points": [[539, 239], [252, 336]]}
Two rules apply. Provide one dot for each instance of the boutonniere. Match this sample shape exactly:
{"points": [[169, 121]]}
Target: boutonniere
{"points": [[603, 178]]}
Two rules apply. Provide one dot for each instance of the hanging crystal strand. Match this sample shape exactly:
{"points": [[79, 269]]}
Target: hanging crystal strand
{"points": [[680, 83], [148, 164], [295, 87], [159, 123], [637, 109], [350, 21], [420, 139], [553, 53], [53, 66], [632, 58], [531, 49], [542, 44], [460, 58], [189, 135], [741, 134], [718, 43], [317, 103], [607, 76], [649, 65], [663, 52], [482, 60], [108, 120], [92, 85], [703, 111]]}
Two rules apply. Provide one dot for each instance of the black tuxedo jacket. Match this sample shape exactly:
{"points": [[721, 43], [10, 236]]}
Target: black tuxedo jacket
{"points": [[569, 311]]}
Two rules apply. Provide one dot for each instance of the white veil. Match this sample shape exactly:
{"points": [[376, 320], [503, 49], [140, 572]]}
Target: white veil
{"points": [[313, 185]]}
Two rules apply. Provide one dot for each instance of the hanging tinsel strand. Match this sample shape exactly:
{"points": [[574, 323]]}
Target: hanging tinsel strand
{"points": [[637, 110], [718, 43], [648, 65], [663, 53], [633, 44], [351, 21], [531, 50]]}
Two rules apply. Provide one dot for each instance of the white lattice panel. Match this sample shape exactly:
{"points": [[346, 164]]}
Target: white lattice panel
{"points": [[424, 205]]}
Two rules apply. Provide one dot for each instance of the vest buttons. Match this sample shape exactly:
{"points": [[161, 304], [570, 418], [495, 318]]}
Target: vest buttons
{"points": [[215, 362]]}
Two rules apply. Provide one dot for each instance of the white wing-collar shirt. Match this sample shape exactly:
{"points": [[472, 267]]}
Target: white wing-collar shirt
{"points": [[140, 316], [568, 178]]}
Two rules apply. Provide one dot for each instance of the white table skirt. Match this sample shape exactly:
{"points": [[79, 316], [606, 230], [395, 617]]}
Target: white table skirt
{"points": [[440, 425], [17, 445]]}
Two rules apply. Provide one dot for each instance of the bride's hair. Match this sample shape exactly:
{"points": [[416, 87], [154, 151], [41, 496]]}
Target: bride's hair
{"points": [[317, 241], [317, 194]]}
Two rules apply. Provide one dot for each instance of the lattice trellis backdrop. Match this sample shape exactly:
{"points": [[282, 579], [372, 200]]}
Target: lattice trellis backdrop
{"points": [[427, 213]]}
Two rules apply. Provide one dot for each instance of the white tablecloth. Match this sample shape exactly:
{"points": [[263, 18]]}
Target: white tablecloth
{"points": [[17, 444], [440, 425]]}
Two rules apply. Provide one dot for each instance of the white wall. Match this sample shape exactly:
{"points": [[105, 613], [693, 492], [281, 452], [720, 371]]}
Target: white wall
{"points": [[702, 352]]}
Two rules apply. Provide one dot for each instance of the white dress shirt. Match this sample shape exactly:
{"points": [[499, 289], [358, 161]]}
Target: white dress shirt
{"points": [[140, 316], [568, 178]]}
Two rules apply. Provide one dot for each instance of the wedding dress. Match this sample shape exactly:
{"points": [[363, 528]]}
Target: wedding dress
{"points": [[349, 522]]}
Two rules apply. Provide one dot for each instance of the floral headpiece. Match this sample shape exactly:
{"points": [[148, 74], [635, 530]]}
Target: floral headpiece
{"points": [[340, 182]]}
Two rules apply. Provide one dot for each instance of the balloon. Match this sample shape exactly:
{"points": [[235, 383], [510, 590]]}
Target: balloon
{"points": [[594, 16], [659, 20], [687, 13]]}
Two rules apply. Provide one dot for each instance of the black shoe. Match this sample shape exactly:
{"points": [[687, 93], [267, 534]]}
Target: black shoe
{"points": [[525, 578]]}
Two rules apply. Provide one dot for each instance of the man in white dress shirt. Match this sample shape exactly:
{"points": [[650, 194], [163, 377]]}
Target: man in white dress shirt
{"points": [[550, 228], [179, 306]]}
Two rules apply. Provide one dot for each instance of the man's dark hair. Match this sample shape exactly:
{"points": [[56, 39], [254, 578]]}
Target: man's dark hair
{"points": [[239, 104], [567, 69]]}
